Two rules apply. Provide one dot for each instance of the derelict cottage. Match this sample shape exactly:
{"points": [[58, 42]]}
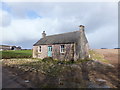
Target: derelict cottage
{"points": [[66, 46]]}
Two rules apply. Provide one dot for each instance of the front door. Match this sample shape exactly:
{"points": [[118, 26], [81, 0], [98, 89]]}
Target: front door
{"points": [[49, 51]]}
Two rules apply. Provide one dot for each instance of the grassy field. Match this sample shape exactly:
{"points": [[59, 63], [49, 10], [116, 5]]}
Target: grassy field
{"points": [[16, 54]]}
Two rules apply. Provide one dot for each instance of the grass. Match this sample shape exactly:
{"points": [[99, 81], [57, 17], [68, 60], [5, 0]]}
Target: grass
{"points": [[96, 56], [16, 54], [48, 67], [56, 70], [28, 54], [50, 73]]}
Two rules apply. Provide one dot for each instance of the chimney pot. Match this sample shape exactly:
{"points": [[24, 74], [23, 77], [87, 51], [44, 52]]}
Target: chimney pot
{"points": [[43, 34], [81, 27]]}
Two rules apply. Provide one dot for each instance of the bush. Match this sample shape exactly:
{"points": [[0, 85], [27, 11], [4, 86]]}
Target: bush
{"points": [[66, 62], [47, 59]]}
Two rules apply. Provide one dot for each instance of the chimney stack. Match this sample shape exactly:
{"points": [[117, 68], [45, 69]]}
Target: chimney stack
{"points": [[43, 34], [81, 27]]}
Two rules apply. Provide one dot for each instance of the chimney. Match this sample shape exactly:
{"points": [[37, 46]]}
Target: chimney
{"points": [[82, 27], [43, 34]]}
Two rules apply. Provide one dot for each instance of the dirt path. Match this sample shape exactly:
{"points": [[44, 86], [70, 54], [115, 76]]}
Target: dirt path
{"points": [[10, 80], [109, 54]]}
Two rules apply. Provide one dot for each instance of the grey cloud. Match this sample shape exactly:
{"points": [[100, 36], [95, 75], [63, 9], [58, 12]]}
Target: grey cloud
{"points": [[23, 44], [65, 17], [5, 19]]}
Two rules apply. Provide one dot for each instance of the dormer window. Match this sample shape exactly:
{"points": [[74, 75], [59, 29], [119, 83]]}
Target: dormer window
{"points": [[62, 48]]}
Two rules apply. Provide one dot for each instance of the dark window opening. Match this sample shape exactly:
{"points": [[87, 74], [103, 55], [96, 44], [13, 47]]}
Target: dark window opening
{"points": [[40, 49]]}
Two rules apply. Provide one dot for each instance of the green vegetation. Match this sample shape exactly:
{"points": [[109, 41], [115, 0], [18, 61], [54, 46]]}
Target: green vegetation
{"points": [[96, 56], [53, 73], [50, 68], [28, 54], [50, 73], [16, 54]]}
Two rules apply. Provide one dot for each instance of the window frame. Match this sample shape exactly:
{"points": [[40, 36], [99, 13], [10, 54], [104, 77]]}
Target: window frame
{"points": [[62, 49], [50, 49], [39, 49]]}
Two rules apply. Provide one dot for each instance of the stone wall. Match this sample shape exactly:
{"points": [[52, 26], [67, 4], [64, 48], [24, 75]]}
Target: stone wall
{"points": [[82, 47], [35, 51], [38, 54], [43, 53], [67, 55]]}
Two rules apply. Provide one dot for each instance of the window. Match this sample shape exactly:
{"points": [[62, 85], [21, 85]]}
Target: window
{"points": [[49, 48], [40, 49], [62, 48]]}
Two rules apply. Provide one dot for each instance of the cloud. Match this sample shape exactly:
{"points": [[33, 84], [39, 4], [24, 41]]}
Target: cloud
{"points": [[104, 37], [5, 18], [27, 29], [26, 21]]}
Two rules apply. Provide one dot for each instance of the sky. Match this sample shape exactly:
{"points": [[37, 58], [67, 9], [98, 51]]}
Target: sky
{"points": [[23, 22]]}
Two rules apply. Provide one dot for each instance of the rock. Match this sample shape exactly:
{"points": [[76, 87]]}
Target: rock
{"points": [[75, 66], [92, 85], [111, 65], [105, 86], [101, 80], [27, 81]]}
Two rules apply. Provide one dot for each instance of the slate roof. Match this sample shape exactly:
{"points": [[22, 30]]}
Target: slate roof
{"points": [[65, 38]]}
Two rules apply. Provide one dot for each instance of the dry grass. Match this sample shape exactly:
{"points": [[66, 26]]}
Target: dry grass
{"points": [[104, 51], [97, 56], [109, 54]]}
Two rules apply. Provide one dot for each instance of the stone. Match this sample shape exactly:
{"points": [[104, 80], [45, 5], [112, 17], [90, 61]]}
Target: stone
{"points": [[27, 81]]}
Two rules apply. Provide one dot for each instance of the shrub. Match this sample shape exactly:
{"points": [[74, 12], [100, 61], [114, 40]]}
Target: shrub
{"points": [[47, 59]]}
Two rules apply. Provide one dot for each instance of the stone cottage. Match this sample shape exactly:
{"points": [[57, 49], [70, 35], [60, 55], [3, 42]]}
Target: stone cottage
{"points": [[66, 46]]}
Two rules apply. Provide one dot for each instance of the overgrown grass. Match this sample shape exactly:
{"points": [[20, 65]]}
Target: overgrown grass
{"points": [[55, 72], [16, 54], [51, 68], [96, 56]]}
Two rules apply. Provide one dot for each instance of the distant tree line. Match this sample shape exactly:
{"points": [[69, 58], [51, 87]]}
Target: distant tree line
{"points": [[107, 48]]}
